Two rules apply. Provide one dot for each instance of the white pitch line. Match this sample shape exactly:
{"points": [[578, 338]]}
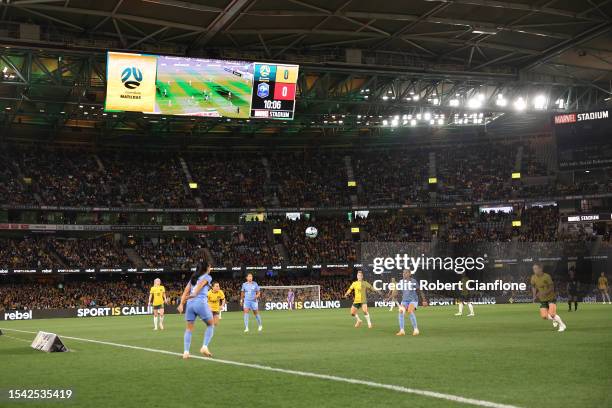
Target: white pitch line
{"points": [[396, 388]]}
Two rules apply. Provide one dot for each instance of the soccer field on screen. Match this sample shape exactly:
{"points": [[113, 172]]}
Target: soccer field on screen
{"points": [[504, 355], [203, 88]]}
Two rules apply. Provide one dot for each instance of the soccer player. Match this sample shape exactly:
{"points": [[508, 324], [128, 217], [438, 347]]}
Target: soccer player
{"points": [[602, 285], [411, 293], [543, 290], [157, 295], [216, 299], [249, 297], [291, 298], [465, 298], [195, 296], [360, 289], [573, 288]]}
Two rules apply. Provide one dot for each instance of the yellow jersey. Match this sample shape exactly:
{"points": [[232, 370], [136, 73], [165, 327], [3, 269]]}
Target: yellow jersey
{"points": [[158, 295], [214, 300], [545, 288], [602, 282], [360, 290]]}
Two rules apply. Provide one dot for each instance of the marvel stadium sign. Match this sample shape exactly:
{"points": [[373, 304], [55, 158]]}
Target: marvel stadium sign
{"points": [[580, 117]]}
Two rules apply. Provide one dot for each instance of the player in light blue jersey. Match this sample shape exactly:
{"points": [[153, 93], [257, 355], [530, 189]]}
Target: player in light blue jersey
{"points": [[249, 297], [195, 296], [411, 292]]}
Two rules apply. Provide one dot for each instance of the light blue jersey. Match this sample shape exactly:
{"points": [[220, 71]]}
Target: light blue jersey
{"points": [[409, 291], [198, 306], [203, 295], [250, 291]]}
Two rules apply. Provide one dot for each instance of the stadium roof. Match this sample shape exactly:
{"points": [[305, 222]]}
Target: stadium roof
{"points": [[433, 47], [556, 37]]}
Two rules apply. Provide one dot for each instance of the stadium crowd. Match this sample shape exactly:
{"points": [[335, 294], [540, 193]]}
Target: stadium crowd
{"points": [[383, 176]]}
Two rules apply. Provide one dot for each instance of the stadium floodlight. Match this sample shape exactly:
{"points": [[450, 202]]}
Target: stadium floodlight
{"points": [[454, 103], [474, 103], [385, 122], [384, 98], [436, 101], [413, 122], [560, 103], [395, 122], [415, 98], [501, 101], [440, 121], [539, 102], [431, 122], [520, 104], [418, 116], [427, 116]]}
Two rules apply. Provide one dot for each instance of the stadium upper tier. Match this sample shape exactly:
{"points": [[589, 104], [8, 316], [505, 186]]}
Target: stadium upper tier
{"points": [[275, 179]]}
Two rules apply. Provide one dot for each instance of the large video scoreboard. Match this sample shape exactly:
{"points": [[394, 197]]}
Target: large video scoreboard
{"points": [[200, 87]]}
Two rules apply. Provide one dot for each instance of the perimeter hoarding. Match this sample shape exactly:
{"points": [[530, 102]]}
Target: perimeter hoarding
{"points": [[200, 87]]}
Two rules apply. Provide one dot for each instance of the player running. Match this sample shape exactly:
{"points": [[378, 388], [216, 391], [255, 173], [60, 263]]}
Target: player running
{"points": [[216, 300], [360, 300], [249, 297], [602, 285], [573, 289], [157, 295], [196, 295], [464, 298], [543, 290], [411, 293]]}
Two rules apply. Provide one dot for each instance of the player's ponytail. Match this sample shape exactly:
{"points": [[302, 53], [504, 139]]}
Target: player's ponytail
{"points": [[200, 269]]}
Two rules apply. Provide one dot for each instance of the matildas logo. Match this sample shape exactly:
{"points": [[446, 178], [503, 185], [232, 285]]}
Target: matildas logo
{"points": [[131, 77]]}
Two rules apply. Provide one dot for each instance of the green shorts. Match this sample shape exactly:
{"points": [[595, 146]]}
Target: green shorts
{"points": [[358, 305], [545, 305], [158, 307]]}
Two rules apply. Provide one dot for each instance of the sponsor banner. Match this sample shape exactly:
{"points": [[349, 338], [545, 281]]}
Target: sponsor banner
{"points": [[130, 80], [308, 304], [276, 211], [112, 228]]}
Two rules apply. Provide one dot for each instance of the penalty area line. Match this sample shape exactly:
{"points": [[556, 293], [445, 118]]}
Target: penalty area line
{"points": [[354, 381]]}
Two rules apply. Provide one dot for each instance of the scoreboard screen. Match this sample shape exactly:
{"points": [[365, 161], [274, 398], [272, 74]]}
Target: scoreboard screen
{"points": [[200, 87], [274, 91]]}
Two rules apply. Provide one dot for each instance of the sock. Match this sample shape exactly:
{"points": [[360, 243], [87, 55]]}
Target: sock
{"points": [[208, 334], [460, 308], [557, 319], [367, 317], [258, 318], [471, 307], [187, 341], [401, 318], [246, 320], [161, 319], [575, 306], [155, 321], [356, 316], [413, 321], [569, 304]]}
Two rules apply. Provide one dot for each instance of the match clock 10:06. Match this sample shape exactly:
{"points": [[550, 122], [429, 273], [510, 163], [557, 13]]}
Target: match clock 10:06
{"points": [[274, 91]]}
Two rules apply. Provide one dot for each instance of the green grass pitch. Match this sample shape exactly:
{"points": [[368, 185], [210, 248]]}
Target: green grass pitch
{"points": [[506, 354]]}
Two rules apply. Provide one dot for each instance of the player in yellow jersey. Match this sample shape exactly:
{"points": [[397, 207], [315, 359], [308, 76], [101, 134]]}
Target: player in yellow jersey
{"points": [[360, 290], [543, 290], [602, 286], [216, 300], [157, 296]]}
